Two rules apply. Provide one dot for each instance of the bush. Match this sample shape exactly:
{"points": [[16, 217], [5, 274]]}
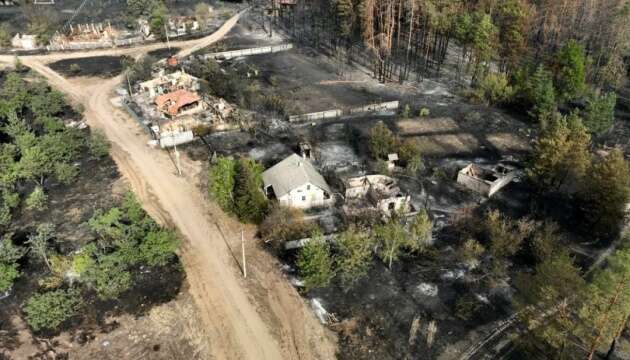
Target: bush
{"points": [[99, 145], [37, 199], [424, 112], [66, 173], [8, 274], [49, 310], [284, 224], [159, 247], [493, 89], [75, 68]]}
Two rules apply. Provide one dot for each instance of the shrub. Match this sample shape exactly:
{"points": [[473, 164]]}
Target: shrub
{"points": [[284, 224], [37, 199], [66, 173], [493, 89], [99, 145], [8, 274], [49, 310], [424, 112], [75, 68], [159, 247]]}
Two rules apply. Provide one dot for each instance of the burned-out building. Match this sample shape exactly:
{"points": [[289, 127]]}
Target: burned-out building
{"points": [[179, 102], [164, 83], [375, 193], [485, 180]]}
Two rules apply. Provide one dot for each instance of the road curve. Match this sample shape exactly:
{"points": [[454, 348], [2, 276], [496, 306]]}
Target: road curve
{"points": [[235, 327]]}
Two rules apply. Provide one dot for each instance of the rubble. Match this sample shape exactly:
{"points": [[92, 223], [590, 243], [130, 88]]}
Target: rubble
{"points": [[379, 193]]}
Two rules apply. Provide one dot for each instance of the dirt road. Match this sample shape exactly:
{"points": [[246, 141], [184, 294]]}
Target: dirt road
{"points": [[240, 325]]}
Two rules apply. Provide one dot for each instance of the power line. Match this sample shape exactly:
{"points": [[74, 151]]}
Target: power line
{"points": [[76, 12]]}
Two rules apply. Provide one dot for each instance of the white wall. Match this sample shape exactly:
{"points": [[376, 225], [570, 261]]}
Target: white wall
{"points": [[304, 198]]}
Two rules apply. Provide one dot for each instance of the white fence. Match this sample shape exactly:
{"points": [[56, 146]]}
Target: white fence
{"points": [[248, 52], [335, 113]]}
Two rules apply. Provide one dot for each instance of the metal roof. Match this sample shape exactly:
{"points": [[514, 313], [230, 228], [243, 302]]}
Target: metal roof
{"points": [[292, 173]]}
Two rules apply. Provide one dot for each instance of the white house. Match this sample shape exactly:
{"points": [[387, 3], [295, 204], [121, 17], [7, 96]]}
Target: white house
{"points": [[296, 183]]}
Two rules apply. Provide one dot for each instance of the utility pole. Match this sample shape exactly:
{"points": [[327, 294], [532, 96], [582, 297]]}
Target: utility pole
{"points": [[168, 41], [177, 163], [243, 251], [129, 84]]}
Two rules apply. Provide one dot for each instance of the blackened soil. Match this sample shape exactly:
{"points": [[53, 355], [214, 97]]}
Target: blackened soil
{"points": [[163, 53], [98, 66]]}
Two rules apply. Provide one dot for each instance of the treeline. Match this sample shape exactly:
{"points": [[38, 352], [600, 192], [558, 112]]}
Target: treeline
{"points": [[414, 35]]}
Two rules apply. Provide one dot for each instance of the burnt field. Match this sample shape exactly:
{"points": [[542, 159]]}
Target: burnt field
{"points": [[98, 66], [428, 305]]}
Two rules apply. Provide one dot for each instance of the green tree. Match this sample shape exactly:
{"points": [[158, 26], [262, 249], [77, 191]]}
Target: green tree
{"points": [[354, 256], [483, 42], [5, 35], [599, 114], [604, 313], [392, 239], [49, 310], [37, 199], [470, 252], [315, 263], [506, 238], [138, 8], [420, 231], [221, 177], [250, 203], [571, 70], [344, 13], [381, 141], [544, 304], [605, 193], [561, 155], [512, 23], [108, 275], [158, 20], [9, 256], [202, 13], [65, 173], [38, 242], [159, 247], [537, 91]]}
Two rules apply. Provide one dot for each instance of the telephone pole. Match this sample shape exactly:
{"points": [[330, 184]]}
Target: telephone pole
{"points": [[243, 251]]}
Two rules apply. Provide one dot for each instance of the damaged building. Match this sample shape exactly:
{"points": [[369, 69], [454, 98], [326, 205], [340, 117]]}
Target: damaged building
{"points": [[485, 181], [164, 83], [90, 35], [376, 194]]}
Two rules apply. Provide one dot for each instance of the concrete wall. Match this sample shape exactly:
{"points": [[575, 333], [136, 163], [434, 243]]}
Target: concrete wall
{"points": [[473, 183], [249, 52], [172, 139], [389, 105], [500, 183], [322, 115], [305, 197]]}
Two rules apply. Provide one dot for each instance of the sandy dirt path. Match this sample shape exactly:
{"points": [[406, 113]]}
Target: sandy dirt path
{"points": [[267, 321]]}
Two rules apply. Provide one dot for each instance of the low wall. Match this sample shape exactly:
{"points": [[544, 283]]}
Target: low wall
{"points": [[389, 105], [335, 113], [248, 52], [176, 139], [322, 115]]}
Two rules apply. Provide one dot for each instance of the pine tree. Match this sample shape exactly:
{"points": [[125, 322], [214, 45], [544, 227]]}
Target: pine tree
{"points": [[249, 200], [571, 73], [605, 193], [315, 264]]}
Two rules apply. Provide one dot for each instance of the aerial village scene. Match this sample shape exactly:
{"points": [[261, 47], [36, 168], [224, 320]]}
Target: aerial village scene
{"points": [[314, 179]]}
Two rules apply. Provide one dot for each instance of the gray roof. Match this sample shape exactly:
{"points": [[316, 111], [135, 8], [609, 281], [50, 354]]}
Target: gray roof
{"points": [[292, 173]]}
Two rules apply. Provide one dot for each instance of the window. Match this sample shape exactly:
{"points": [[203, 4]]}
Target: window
{"points": [[308, 187], [303, 198]]}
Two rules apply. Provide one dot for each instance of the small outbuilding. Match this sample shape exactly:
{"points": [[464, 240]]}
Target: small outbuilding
{"points": [[295, 182]]}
